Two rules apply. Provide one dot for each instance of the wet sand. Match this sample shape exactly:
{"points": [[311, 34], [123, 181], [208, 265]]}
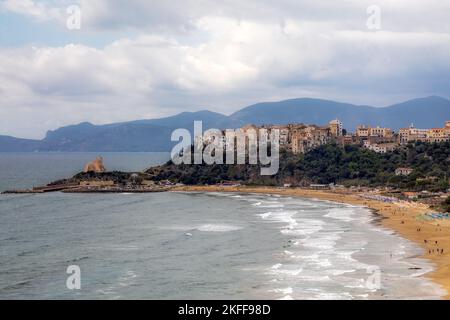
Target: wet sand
{"points": [[403, 217]]}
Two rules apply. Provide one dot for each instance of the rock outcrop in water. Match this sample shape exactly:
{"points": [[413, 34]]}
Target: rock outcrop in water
{"points": [[95, 166]]}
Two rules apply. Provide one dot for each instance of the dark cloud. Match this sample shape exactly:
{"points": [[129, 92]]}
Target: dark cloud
{"points": [[193, 55]]}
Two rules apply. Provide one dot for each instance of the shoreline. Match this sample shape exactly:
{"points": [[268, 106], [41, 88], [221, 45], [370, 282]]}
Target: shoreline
{"points": [[404, 218]]}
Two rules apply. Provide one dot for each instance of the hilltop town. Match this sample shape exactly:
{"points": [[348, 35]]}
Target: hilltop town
{"points": [[301, 138]]}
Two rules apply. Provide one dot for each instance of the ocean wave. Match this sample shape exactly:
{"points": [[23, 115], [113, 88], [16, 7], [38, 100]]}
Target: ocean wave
{"points": [[324, 263], [268, 204], [315, 278], [220, 194], [332, 296], [115, 248], [278, 269], [343, 214], [340, 272], [316, 259], [207, 227], [304, 227], [280, 216], [287, 297], [217, 228], [77, 259], [129, 275], [284, 291], [323, 241], [123, 281]]}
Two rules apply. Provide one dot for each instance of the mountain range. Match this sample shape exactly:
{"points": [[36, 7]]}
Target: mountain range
{"points": [[154, 135]]}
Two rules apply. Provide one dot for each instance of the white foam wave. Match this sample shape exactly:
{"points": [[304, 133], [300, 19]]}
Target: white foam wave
{"points": [[219, 194], [340, 272], [287, 297], [284, 291], [279, 269], [333, 296], [320, 241], [343, 214], [281, 216], [323, 263], [217, 228], [273, 205], [314, 278], [207, 227]]}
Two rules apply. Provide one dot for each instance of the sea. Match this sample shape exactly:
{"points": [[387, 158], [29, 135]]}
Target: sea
{"points": [[192, 245]]}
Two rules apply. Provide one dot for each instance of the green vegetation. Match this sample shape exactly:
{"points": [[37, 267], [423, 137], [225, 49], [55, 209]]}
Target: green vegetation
{"points": [[350, 165], [119, 178]]}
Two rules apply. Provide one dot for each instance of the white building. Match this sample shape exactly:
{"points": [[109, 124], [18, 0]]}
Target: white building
{"points": [[336, 127], [380, 147]]}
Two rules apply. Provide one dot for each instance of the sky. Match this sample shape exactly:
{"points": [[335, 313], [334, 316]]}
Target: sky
{"points": [[64, 62]]}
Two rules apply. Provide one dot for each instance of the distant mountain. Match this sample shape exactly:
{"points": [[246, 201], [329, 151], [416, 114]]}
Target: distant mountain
{"points": [[424, 113], [430, 112], [186, 120], [86, 137], [154, 134], [11, 144], [141, 135], [304, 110]]}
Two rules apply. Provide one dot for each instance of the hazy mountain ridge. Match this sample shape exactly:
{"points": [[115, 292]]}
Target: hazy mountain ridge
{"points": [[154, 134], [11, 144]]}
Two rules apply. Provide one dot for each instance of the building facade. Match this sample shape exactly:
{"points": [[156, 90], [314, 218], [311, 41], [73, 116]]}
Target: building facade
{"points": [[380, 147], [336, 128], [411, 134], [367, 131]]}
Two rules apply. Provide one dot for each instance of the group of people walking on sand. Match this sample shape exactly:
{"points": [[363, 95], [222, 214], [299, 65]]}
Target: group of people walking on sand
{"points": [[434, 250]]}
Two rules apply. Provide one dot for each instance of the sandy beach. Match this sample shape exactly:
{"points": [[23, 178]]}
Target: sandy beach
{"points": [[404, 217]]}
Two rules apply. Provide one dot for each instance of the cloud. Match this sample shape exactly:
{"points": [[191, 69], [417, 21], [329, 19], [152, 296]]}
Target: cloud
{"points": [[220, 56], [176, 16], [399, 15], [37, 10]]}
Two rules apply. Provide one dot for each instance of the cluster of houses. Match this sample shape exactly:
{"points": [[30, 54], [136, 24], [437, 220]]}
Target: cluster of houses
{"points": [[298, 138], [301, 138], [384, 140]]}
